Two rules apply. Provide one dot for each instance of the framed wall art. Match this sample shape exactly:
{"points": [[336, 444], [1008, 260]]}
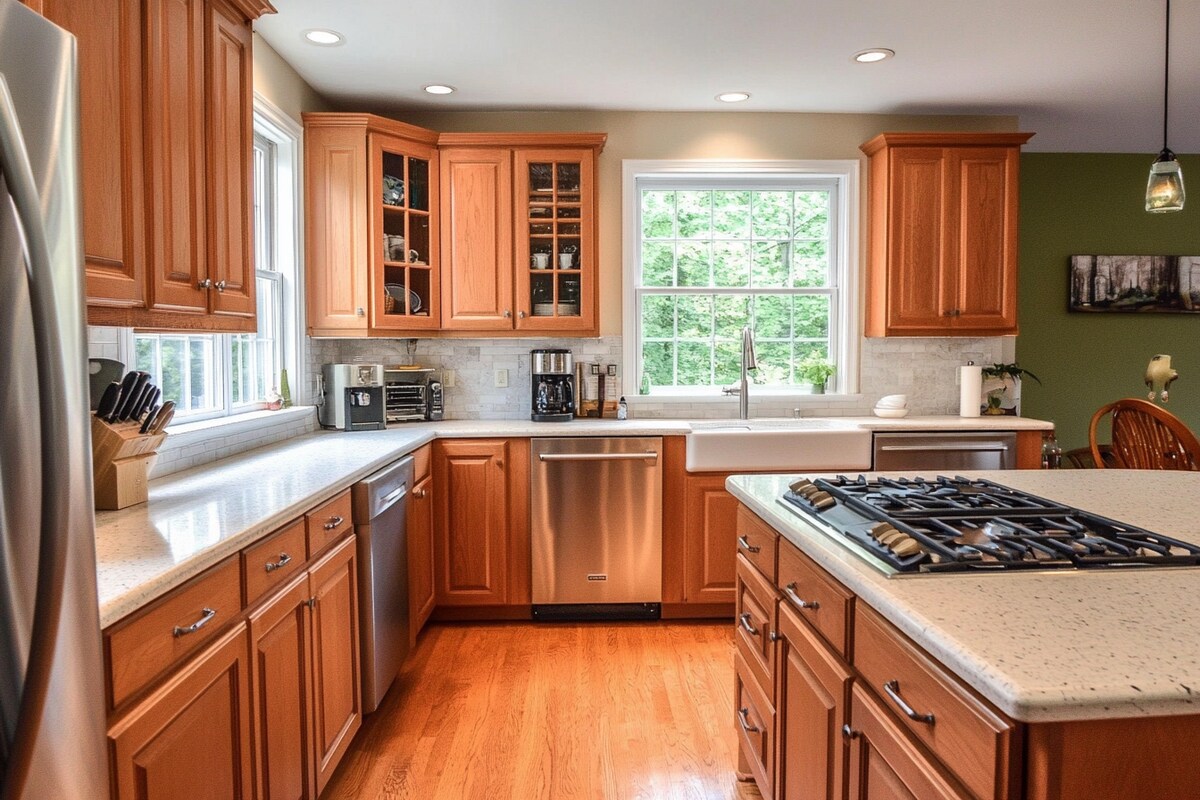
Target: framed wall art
{"points": [[1135, 284]]}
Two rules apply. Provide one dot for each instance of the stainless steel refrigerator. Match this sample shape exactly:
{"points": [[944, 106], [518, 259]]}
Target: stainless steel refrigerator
{"points": [[52, 737]]}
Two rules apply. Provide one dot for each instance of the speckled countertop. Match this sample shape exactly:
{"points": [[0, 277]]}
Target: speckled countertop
{"points": [[1047, 646], [196, 518]]}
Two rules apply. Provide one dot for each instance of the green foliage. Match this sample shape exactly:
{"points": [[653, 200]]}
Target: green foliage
{"points": [[1008, 371], [815, 369]]}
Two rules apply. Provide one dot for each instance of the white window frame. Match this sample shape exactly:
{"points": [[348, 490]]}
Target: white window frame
{"points": [[286, 135], [844, 318]]}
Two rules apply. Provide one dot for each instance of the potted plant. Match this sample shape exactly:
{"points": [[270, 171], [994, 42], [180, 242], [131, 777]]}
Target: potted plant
{"points": [[816, 371], [1002, 389]]}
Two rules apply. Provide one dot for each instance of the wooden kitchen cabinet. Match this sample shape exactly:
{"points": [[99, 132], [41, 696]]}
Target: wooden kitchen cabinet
{"points": [[709, 539], [481, 522], [362, 245], [166, 137], [191, 737], [422, 582], [942, 242], [508, 199]]}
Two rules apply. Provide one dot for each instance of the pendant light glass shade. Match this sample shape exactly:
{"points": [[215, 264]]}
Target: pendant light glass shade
{"points": [[1164, 189]]}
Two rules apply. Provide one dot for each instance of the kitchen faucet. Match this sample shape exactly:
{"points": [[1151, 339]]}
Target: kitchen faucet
{"points": [[749, 362]]}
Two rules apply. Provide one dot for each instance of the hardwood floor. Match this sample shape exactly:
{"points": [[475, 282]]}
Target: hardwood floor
{"points": [[564, 711]]}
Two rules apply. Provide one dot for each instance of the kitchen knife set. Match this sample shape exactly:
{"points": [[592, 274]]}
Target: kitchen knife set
{"points": [[136, 399]]}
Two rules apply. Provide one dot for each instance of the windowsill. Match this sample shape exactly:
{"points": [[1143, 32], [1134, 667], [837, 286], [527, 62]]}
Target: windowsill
{"points": [[761, 396], [187, 433]]}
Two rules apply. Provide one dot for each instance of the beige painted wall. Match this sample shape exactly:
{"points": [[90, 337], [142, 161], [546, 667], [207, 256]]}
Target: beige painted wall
{"points": [[709, 135], [275, 80]]}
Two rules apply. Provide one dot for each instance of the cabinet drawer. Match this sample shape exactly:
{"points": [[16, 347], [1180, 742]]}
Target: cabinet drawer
{"points": [[144, 645], [756, 727], [826, 604], [755, 622], [978, 744], [328, 523], [272, 561], [757, 542]]}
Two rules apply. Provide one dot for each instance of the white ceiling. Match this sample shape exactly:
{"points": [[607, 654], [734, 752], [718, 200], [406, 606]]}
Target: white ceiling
{"points": [[1085, 75]]}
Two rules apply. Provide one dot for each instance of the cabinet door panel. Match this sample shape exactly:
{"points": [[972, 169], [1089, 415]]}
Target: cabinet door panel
{"points": [[109, 33], [421, 581], [175, 153], [917, 291], [984, 181], [230, 182], [337, 688], [282, 671], [477, 258], [191, 738], [471, 522], [710, 540]]}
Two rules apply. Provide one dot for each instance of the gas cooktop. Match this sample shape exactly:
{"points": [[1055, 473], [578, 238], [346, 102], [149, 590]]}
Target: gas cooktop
{"points": [[953, 524]]}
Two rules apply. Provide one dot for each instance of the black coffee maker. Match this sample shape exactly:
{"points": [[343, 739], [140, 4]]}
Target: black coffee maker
{"points": [[552, 376]]}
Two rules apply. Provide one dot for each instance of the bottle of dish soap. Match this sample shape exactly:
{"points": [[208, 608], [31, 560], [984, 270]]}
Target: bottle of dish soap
{"points": [[622, 409]]}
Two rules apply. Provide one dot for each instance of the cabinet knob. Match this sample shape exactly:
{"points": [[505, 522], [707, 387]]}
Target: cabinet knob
{"points": [[219, 286], [848, 732], [419, 493], [359, 311], [205, 284], [507, 313], [521, 314]]}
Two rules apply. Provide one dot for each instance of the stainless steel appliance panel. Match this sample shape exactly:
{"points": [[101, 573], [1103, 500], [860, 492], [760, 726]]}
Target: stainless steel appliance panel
{"points": [[380, 522], [52, 725], [596, 520], [945, 452], [352, 397]]}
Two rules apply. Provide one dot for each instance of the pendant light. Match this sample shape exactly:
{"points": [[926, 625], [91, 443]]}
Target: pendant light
{"points": [[1164, 189]]}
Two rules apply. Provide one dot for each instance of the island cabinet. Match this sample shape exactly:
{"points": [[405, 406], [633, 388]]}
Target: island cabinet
{"points": [[481, 525], [371, 226], [166, 135], [519, 232], [244, 681], [942, 241]]}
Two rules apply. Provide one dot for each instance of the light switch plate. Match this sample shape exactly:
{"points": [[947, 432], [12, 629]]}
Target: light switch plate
{"points": [[501, 378], [448, 378]]}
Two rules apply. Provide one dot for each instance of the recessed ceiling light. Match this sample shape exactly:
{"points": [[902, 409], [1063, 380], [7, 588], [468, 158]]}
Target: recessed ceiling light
{"points": [[324, 37], [733, 97], [873, 55], [439, 88]]}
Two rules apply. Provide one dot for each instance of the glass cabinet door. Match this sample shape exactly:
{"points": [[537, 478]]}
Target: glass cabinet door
{"points": [[404, 289], [555, 241]]}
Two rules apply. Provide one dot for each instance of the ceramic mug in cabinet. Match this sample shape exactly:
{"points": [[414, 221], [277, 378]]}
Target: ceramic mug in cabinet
{"points": [[565, 260], [541, 260]]}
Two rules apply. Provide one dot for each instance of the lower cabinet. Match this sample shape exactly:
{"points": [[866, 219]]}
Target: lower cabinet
{"points": [[421, 580], [190, 738], [708, 544]]}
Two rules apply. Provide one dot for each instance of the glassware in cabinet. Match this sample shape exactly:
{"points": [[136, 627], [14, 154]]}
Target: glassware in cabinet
{"points": [[404, 276]]}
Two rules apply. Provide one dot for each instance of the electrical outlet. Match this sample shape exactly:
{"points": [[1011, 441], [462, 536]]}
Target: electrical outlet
{"points": [[448, 378], [501, 378], [612, 370]]}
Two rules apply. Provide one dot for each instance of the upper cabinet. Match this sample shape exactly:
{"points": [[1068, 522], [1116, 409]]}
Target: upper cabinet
{"points": [[166, 139], [412, 232], [942, 242]]}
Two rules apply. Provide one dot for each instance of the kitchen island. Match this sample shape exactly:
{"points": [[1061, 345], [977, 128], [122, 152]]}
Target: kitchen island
{"points": [[1087, 679]]}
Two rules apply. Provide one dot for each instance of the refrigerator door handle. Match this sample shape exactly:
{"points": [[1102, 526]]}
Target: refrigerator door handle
{"points": [[18, 173]]}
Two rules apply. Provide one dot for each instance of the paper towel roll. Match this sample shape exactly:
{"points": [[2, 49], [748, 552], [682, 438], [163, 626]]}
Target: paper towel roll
{"points": [[970, 390]]}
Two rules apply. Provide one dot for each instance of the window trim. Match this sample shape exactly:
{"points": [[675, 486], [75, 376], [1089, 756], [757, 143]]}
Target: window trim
{"points": [[845, 335]]}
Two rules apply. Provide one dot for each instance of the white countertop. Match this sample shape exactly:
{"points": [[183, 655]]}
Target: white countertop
{"points": [[196, 518], [1046, 646]]}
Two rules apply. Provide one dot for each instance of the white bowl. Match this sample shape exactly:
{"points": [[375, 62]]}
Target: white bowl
{"points": [[891, 413], [893, 401]]}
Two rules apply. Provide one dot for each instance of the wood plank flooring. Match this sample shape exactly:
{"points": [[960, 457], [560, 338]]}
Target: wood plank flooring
{"points": [[596, 711]]}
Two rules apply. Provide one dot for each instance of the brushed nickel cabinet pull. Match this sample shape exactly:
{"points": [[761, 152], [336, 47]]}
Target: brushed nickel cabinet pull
{"points": [[333, 523], [284, 560], [744, 721], [848, 732], [745, 622], [790, 589], [892, 689], [220, 286], [205, 284], [311, 602], [744, 543], [206, 616]]}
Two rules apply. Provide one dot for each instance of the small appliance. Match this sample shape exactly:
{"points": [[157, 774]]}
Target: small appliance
{"points": [[552, 379], [412, 394], [352, 397]]}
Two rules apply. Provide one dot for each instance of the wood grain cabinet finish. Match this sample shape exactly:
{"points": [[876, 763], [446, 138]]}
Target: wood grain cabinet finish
{"points": [[816, 597], [166, 137], [271, 562], [755, 718], [422, 583], [328, 523], [812, 696], [191, 737], [942, 242], [709, 525], [755, 632]]}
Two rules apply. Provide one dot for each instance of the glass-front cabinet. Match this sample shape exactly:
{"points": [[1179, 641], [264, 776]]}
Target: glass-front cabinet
{"points": [[404, 243], [555, 239]]}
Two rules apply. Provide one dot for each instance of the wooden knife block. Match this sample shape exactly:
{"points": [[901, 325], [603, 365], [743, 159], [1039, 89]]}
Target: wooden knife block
{"points": [[121, 462]]}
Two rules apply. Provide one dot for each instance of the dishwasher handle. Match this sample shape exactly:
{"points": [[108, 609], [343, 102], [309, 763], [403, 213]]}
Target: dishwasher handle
{"points": [[649, 455], [938, 448]]}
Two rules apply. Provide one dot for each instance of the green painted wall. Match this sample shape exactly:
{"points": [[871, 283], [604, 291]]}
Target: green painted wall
{"points": [[1088, 203]]}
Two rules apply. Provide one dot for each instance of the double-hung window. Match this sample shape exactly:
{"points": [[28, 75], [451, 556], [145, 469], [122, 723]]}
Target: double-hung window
{"points": [[214, 375], [711, 249]]}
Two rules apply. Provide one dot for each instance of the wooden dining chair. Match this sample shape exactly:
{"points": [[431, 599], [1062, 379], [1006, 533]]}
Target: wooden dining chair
{"points": [[1144, 436]]}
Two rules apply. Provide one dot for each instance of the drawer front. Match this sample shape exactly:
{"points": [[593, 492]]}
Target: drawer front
{"points": [[754, 625], [328, 523], [816, 597], [272, 561], [977, 744], [755, 719], [144, 646], [757, 542]]}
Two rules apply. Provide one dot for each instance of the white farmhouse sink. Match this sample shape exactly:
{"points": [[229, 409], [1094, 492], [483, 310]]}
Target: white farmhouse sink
{"points": [[777, 444]]}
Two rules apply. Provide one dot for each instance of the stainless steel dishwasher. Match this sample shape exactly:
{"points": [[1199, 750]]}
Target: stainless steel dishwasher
{"points": [[380, 519], [596, 526], [945, 451]]}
